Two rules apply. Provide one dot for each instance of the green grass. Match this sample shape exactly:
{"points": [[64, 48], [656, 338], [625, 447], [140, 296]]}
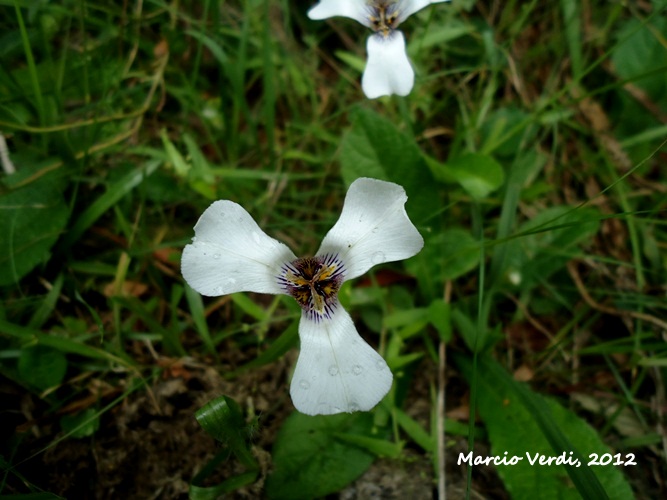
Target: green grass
{"points": [[532, 150]]}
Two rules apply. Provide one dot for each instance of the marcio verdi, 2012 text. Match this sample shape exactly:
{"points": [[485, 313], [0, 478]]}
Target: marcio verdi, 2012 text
{"points": [[564, 458]]}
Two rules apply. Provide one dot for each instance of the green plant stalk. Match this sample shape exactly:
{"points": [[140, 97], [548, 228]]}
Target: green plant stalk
{"points": [[198, 54], [269, 80], [629, 399], [572, 21], [84, 58], [481, 328], [619, 187], [32, 68]]}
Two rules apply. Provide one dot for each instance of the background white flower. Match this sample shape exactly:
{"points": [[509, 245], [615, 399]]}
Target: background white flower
{"points": [[337, 371], [388, 70]]}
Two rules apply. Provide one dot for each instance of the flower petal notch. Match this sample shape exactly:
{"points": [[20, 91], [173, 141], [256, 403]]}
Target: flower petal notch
{"points": [[373, 228], [337, 371], [388, 70]]}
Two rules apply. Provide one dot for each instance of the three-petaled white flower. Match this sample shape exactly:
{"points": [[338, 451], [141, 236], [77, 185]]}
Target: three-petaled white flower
{"points": [[337, 371], [388, 70]]}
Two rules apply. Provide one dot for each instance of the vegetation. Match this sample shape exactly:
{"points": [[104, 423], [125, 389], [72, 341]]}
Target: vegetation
{"points": [[532, 149]]}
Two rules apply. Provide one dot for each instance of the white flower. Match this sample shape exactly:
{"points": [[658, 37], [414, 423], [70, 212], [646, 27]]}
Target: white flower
{"points": [[337, 371], [388, 70]]}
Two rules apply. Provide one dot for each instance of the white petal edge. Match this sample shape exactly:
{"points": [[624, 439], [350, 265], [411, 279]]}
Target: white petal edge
{"points": [[373, 227], [354, 9], [230, 253], [337, 371], [388, 70], [409, 7]]}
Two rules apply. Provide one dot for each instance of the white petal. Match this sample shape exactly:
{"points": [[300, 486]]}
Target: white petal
{"points": [[409, 7], [388, 70], [355, 9], [230, 253], [337, 371], [373, 228]]}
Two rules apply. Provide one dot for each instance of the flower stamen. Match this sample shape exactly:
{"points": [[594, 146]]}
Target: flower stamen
{"points": [[383, 16], [314, 283]]}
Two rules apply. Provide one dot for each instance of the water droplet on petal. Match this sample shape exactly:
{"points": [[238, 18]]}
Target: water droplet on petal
{"points": [[357, 369], [304, 384], [380, 365], [194, 238], [230, 282], [375, 230], [353, 407], [218, 290], [377, 258], [333, 370], [256, 238], [216, 256]]}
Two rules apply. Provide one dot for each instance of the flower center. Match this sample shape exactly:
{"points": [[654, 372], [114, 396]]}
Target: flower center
{"points": [[383, 16], [314, 283]]}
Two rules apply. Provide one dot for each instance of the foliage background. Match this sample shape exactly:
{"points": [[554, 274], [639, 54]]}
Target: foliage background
{"points": [[532, 151]]}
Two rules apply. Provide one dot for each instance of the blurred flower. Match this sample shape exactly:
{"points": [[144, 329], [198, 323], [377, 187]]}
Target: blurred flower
{"points": [[388, 70], [337, 371]]}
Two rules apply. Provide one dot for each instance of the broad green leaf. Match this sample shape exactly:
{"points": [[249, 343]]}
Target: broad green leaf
{"points": [[478, 174], [374, 147], [223, 419], [32, 217], [310, 461], [641, 55], [523, 424], [459, 253], [81, 425], [42, 367]]}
